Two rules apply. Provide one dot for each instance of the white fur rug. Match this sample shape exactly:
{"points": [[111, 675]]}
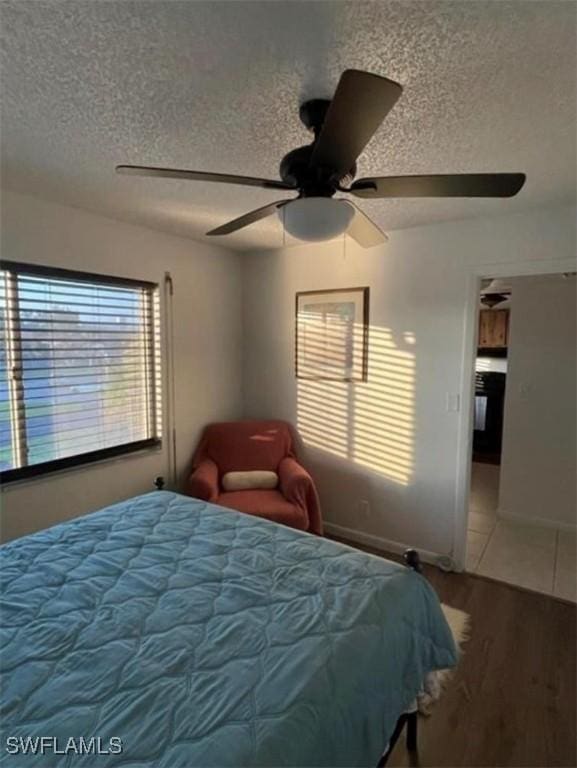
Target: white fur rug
{"points": [[459, 621], [435, 682]]}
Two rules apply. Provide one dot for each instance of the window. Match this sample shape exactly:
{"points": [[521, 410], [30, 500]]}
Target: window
{"points": [[79, 368]]}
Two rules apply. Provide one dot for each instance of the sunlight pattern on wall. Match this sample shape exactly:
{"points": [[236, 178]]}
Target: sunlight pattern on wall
{"points": [[369, 423]]}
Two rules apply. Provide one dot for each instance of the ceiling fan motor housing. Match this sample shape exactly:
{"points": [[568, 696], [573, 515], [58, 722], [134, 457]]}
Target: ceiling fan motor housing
{"points": [[315, 181], [295, 167]]}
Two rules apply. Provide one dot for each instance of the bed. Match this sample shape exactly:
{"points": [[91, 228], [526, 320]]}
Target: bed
{"points": [[199, 636]]}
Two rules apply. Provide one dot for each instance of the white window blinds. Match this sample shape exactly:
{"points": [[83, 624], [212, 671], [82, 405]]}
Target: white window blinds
{"points": [[79, 368]]}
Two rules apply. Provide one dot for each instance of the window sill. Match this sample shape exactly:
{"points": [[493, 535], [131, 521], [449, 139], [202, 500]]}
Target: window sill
{"points": [[25, 475]]}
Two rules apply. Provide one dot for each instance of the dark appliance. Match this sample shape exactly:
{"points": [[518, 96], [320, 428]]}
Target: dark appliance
{"points": [[488, 429]]}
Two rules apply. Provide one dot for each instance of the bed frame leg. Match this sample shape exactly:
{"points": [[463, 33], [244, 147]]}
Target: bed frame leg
{"points": [[412, 559], [410, 722], [412, 731]]}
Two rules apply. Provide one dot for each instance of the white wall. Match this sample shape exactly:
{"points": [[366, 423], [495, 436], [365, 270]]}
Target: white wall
{"points": [[419, 286], [538, 462], [422, 291], [207, 340]]}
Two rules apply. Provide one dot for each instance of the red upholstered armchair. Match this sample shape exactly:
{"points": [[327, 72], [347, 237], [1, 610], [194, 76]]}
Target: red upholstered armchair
{"points": [[241, 446]]}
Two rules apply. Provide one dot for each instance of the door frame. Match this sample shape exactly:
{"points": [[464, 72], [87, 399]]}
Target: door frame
{"points": [[468, 355]]}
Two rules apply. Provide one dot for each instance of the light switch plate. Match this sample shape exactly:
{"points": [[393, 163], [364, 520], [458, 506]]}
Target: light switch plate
{"points": [[453, 402]]}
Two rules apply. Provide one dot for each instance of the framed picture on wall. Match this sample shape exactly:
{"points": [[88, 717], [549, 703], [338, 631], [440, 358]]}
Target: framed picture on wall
{"points": [[332, 331]]}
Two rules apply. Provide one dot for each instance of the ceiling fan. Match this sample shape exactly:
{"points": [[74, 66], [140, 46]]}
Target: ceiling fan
{"points": [[494, 292], [342, 127], [493, 299]]}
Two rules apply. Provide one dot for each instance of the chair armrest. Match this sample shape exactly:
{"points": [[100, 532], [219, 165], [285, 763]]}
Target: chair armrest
{"points": [[297, 486], [292, 478], [203, 483]]}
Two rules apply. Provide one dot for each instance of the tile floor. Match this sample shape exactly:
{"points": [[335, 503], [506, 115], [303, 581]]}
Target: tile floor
{"points": [[531, 556]]}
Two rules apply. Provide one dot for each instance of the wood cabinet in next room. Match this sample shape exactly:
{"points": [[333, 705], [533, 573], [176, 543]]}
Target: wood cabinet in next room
{"points": [[493, 328]]}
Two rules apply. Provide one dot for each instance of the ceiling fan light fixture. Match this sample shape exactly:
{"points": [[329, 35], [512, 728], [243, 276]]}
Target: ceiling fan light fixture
{"points": [[314, 219], [492, 299]]}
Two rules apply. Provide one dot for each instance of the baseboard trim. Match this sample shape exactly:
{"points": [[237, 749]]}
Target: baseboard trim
{"points": [[386, 545], [543, 522]]}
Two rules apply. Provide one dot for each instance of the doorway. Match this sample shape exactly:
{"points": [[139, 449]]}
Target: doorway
{"points": [[521, 513]]}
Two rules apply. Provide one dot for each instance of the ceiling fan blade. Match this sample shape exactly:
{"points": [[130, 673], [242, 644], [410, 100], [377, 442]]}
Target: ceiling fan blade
{"points": [[360, 104], [450, 185], [248, 218], [223, 178], [365, 231]]}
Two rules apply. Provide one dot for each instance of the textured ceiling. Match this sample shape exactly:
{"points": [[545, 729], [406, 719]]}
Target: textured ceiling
{"points": [[488, 86]]}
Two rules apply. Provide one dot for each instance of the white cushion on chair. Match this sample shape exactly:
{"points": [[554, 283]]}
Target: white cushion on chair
{"points": [[259, 479]]}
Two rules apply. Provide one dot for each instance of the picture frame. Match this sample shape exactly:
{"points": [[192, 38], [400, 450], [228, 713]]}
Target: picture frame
{"points": [[332, 334]]}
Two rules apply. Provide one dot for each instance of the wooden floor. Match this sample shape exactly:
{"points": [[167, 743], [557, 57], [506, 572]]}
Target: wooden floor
{"points": [[512, 701]]}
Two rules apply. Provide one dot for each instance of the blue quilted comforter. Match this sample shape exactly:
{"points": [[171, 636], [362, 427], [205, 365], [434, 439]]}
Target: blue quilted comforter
{"points": [[164, 631]]}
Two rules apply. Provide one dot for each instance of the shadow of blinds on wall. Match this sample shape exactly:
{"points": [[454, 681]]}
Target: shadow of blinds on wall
{"points": [[80, 375]]}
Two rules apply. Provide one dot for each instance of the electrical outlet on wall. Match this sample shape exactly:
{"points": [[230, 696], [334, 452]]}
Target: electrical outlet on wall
{"points": [[364, 508]]}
